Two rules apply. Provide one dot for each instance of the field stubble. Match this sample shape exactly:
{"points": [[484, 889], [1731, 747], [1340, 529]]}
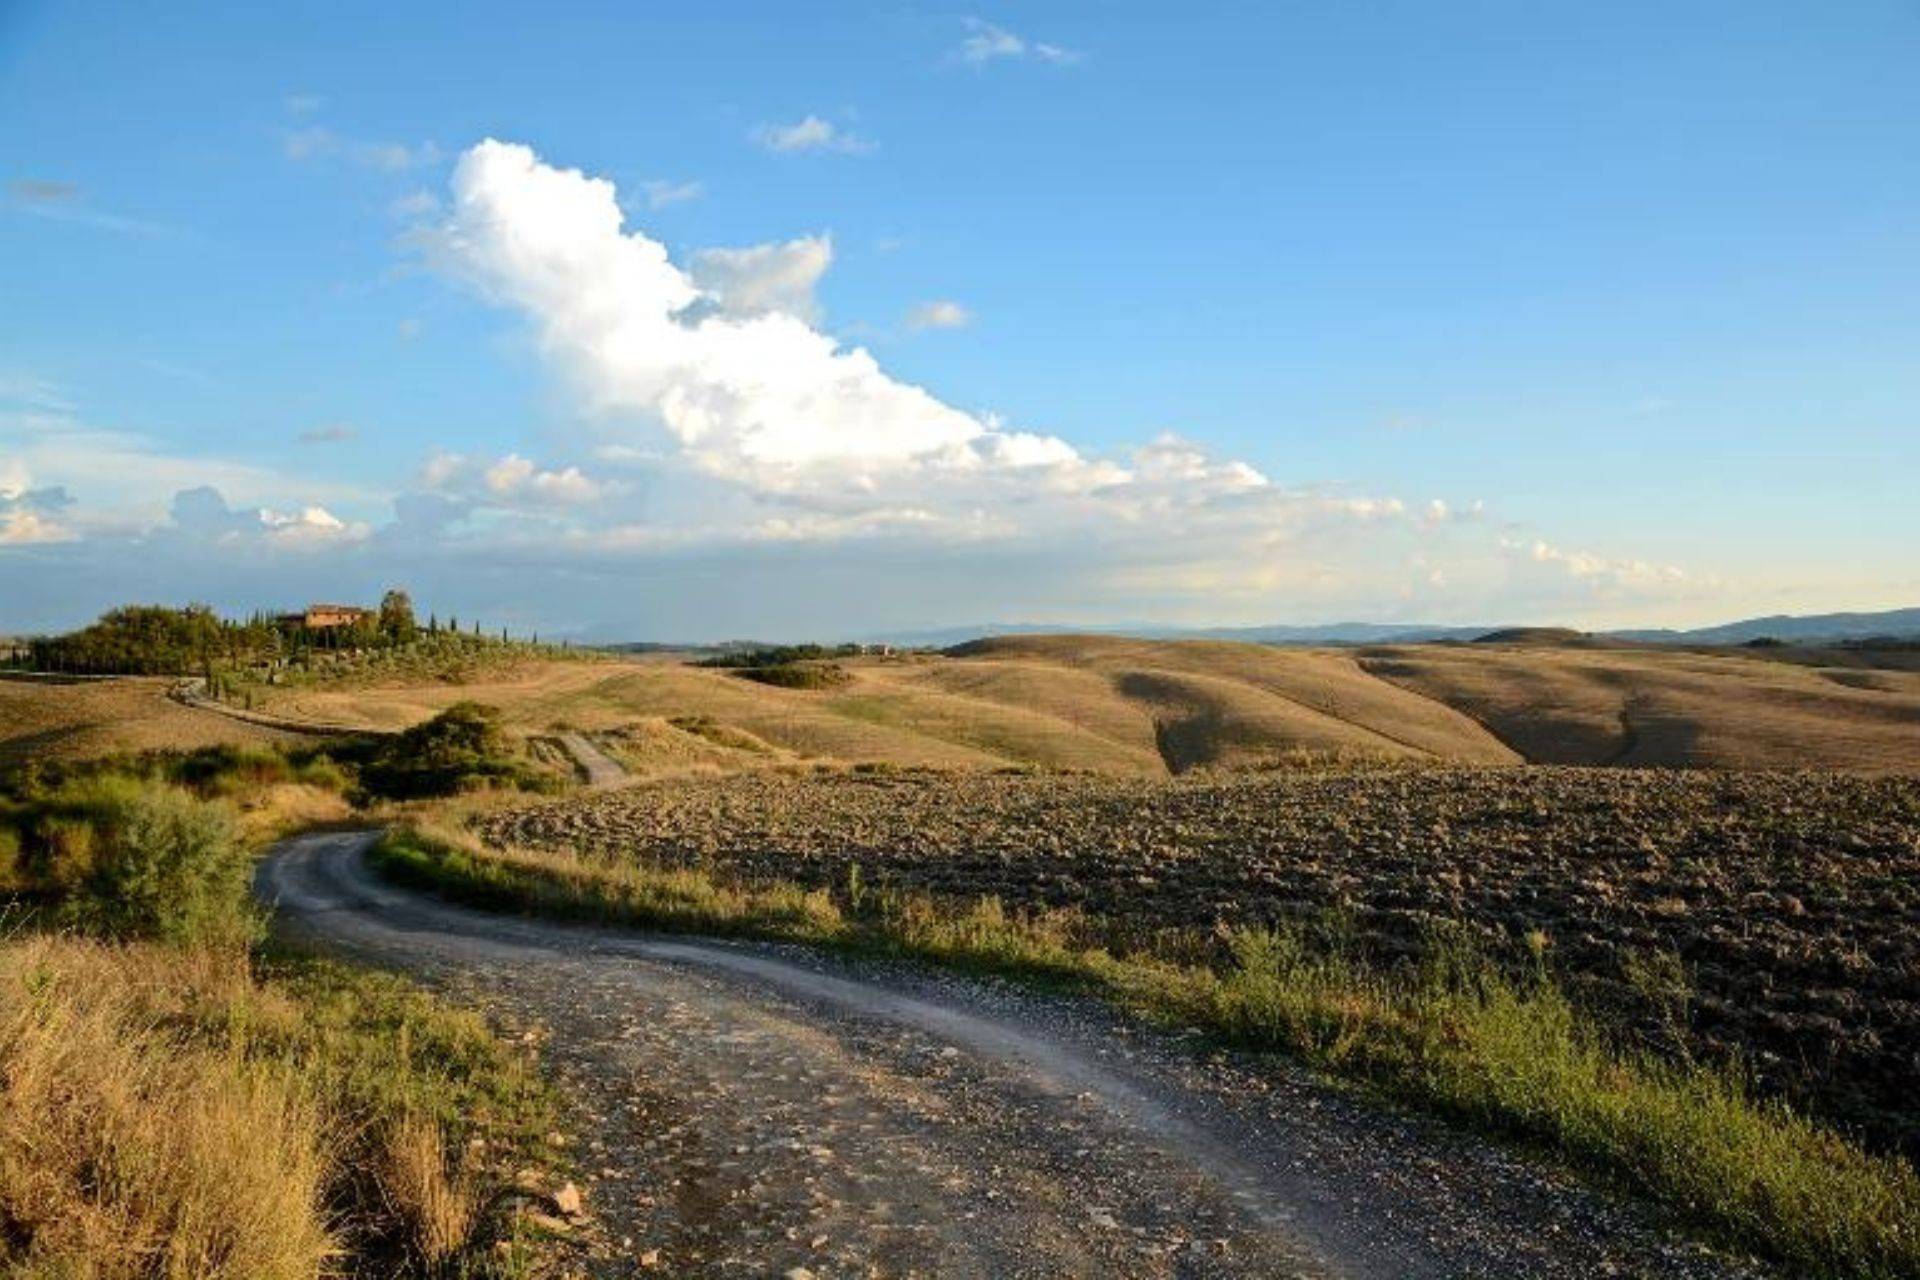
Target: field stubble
{"points": [[1769, 917]]}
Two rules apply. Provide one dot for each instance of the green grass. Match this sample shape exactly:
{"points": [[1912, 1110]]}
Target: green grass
{"points": [[1504, 1052]]}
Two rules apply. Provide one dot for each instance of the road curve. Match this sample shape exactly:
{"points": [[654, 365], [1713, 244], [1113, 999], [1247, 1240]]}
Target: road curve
{"points": [[750, 1109]]}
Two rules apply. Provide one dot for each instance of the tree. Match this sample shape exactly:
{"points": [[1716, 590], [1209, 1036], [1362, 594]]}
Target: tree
{"points": [[397, 623]]}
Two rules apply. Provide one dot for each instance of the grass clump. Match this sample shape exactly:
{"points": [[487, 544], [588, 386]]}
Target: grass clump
{"points": [[1506, 1051], [169, 1111]]}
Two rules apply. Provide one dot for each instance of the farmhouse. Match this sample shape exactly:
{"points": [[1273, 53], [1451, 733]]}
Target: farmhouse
{"points": [[324, 617]]}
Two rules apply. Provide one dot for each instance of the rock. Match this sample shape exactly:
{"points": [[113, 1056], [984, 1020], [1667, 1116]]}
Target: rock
{"points": [[567, 1201]]}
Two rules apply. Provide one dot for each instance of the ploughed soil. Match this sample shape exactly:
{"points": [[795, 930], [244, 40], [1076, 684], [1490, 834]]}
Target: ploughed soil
{"points": [[1791, 901]]}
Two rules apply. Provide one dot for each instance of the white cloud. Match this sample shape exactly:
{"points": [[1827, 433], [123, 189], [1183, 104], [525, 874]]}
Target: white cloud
{"points": [[202, 513], [985, 42], [811, 133], [123, 482], [303, 104], [27, 514], [317, 142], [1608, 577], [762, 476], [511, 482], [415, 205], [764, 278], [764, 399], [938, 314], [660, 192]]}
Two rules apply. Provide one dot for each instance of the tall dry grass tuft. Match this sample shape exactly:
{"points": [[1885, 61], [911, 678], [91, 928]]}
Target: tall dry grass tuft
{"points": [[126, 1151], [432, 1208]]}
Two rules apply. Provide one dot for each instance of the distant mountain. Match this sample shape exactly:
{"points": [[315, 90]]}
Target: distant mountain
{"points": [[1901, 624], [1895, 623], [1325, 633]]}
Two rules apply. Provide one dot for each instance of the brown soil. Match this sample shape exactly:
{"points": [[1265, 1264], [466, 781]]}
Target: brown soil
{"points": [[1793, 900]]}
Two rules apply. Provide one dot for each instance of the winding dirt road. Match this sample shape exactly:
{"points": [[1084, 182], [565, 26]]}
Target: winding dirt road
{"points": [[752, 1110]]}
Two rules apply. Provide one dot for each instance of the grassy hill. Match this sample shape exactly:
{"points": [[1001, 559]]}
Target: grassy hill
{"points": [[1635, 706], [1107, 705], [65, 720]]}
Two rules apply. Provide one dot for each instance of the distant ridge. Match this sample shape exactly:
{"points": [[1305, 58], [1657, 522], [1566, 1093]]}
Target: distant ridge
{"points": [[1893, 624], [1798, 629]]}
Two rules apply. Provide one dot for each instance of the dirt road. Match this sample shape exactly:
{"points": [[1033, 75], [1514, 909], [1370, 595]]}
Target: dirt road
{"points": [[597, 768], [760, 1110]]}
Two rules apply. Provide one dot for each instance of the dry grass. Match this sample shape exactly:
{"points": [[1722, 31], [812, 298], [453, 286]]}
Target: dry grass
{"points": [[1633, 706], [1148, 708], [42, 720], [433, 1209], [124, 1152], [169, 1112]]}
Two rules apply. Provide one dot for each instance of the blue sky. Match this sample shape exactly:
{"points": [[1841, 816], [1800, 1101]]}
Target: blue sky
{"points": [[1231, 314]]}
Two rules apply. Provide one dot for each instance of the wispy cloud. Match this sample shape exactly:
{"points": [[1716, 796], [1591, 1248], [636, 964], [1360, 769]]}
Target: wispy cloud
{"points": [[660, 192], [415, 204], [331, 433], [317, 142], [177, 372], [938, 314], [42, 191], [303, 104], [985, 42], [59, 201], [811, 133]]}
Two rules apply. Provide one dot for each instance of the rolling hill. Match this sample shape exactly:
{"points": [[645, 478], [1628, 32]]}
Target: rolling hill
{"points": [[1120, 706]]}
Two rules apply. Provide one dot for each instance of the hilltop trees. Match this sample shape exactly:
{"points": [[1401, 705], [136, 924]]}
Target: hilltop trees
{"points": [[397, 623], [152, 640]]}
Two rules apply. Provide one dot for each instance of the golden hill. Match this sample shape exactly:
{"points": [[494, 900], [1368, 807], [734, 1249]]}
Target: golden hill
{"points": [[1649, 706], [1119, 706], [48, 720]]}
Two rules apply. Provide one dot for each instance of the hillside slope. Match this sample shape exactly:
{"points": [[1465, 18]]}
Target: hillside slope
{"points": [[1626, 706], [1113, 706], [57, 720]]}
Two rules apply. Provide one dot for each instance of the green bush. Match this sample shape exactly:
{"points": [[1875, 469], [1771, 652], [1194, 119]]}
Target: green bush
{"points": [[799, 675], [167, 866], [12, 872], [461, 749]]}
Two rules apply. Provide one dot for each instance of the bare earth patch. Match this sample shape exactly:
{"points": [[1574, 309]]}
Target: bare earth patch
{"points": [[1791, 901]]}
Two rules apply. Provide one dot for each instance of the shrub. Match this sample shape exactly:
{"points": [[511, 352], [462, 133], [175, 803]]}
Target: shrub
{"points": [[800, 675], [461, 749], [171, 867], [66, 851], [13, 876]]}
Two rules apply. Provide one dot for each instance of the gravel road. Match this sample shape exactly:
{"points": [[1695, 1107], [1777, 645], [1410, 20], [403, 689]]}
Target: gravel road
{"points": [[597, 768], [752, 1110]]}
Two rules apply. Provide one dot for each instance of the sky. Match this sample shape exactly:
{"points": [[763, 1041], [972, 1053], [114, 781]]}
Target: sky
{"points": [[691, 322]]}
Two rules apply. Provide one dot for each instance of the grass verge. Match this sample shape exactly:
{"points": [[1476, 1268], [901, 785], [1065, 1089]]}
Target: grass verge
{"points": [[1506, 1052], [181, 1111]]}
